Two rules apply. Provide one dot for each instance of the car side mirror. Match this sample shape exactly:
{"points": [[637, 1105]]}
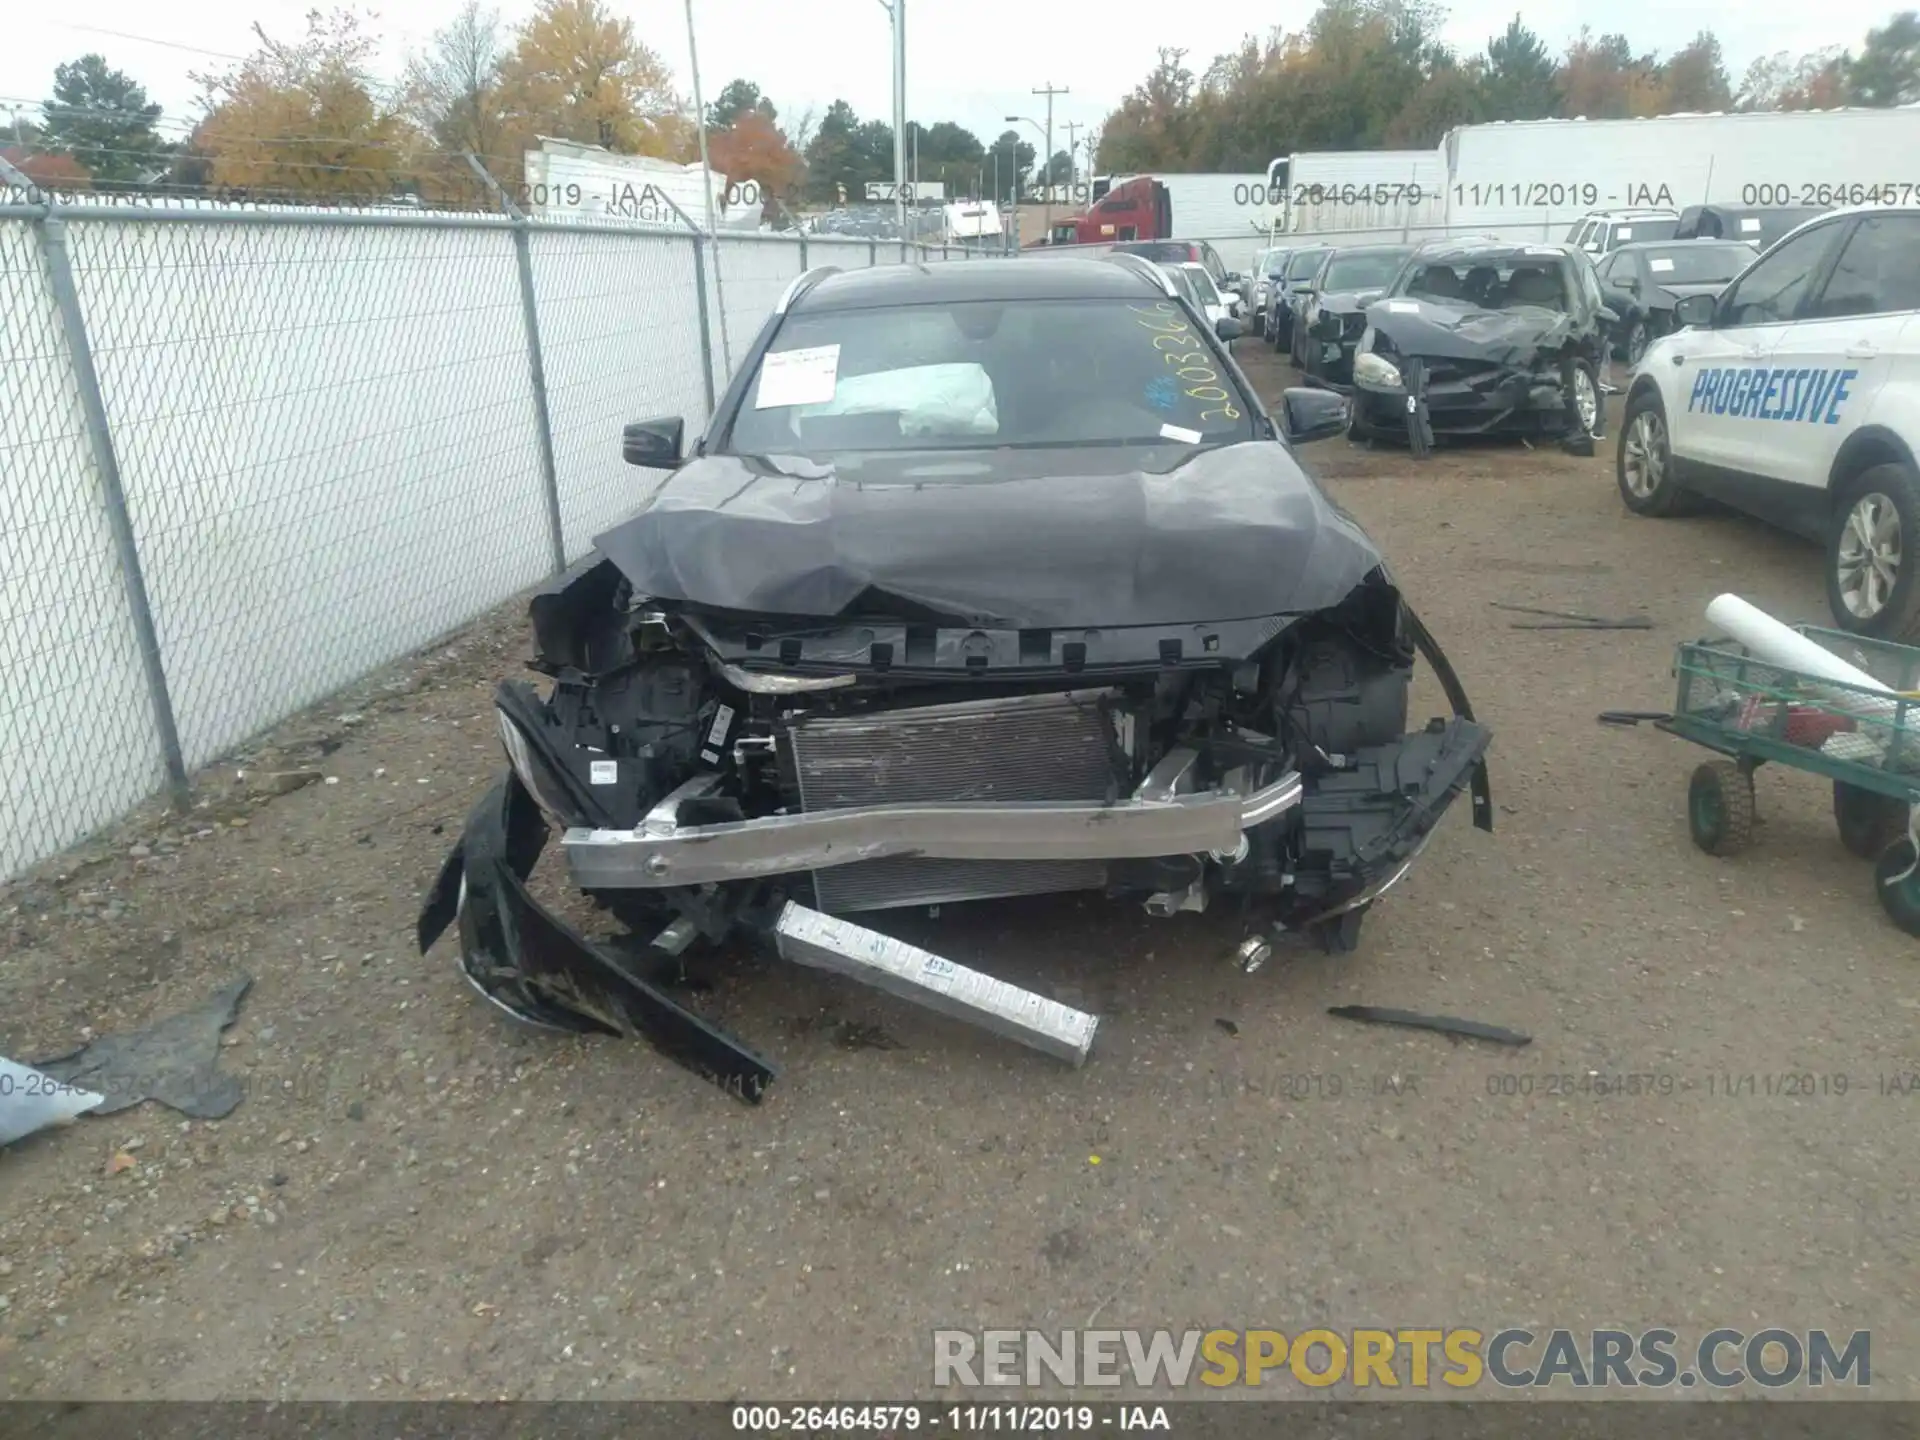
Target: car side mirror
{"points": [[654, 443], [1311, 414], [1695, 310], [1234, 277], [1228, 328]]}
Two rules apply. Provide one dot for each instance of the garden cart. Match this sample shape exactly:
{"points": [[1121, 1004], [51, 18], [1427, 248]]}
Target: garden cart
{"points": [[1866, 741]]}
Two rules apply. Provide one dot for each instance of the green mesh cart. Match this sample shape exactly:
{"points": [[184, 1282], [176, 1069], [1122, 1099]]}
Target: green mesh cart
{"points": [[1866, 742]]}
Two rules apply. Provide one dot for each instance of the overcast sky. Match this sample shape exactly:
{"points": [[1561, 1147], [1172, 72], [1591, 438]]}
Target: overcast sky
{"points": [[974, 61]]}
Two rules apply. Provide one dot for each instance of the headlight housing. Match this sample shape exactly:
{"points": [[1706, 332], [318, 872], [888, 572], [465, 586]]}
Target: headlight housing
{"points": [[1378, 371]]}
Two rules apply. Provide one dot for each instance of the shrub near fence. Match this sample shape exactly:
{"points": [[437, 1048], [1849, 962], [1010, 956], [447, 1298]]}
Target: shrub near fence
{"points": [[248, 455]]}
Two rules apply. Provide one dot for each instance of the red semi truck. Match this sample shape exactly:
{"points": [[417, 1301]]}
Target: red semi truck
{"points": [[1138, 208]]}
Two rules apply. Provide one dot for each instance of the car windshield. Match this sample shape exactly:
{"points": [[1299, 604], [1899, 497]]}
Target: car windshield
{"points": [[1183, 282], [1698, 264], [1304, 263], [986, 374], [1499, 280], [1161, 252], [1367, 271], [1635, 231], [1203, 286], [1276, 265]]}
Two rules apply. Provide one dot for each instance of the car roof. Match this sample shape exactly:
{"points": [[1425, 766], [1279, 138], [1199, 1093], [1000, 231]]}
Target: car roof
{"points": [[1489, 248], [1342, 252], [1014, 279], [1647, 213], [1639, 245]]}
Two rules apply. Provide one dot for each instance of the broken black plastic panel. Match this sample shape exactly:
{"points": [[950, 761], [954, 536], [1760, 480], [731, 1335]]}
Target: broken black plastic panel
{"points": [[533, 965]]}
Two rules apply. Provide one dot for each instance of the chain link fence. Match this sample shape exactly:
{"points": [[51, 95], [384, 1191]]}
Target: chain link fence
{"points": [[249, 455]]}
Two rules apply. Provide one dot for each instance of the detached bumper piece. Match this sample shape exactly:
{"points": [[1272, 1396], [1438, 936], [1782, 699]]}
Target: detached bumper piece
{"points": [[537, 968], [1365, 823], [663, 852], [824, 942]]}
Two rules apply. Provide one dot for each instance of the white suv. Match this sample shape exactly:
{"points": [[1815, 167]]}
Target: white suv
{"points": [[1601, 232], [1795, 396]]}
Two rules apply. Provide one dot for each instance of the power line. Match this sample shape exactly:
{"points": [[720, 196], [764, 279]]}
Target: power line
{"points": [[145, 40]]}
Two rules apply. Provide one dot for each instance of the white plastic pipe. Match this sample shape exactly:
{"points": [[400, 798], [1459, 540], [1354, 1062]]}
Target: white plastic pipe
{"points": [[1773, 643], [1784, 646]]}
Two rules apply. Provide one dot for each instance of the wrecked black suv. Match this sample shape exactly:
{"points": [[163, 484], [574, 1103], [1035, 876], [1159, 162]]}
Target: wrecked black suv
{"points": [[987, 579], [1484, 337]]}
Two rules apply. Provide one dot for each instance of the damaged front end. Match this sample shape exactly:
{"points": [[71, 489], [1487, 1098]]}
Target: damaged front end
{"points": [[1500, 341], [716, 773]]}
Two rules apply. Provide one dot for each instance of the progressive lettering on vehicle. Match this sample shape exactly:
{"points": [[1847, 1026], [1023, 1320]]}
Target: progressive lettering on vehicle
{"points": [[1805, 396]]}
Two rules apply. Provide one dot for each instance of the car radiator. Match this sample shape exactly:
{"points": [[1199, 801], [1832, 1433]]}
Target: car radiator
{"points": [[1063, 746]]}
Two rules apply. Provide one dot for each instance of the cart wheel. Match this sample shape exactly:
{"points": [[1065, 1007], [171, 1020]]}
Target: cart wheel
{"points": [[1869, 822], [1720, 808], [1900, 898]]}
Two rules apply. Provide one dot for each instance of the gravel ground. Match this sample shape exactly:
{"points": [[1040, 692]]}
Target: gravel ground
{"points": [[416, 1199]]}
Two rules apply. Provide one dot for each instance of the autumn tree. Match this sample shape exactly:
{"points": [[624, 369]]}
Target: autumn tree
{"points": [[752, 148], [1694, 78], [1795, 82], [577, 71], [47, 170], [452, 95], [1520, 80], [1155, 126], [1454, 93], [305, 117], [1603, 79], [1887, 70], [102, 119]]}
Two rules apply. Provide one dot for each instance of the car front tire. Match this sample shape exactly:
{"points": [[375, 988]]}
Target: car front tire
{"points": [[1871, 554], [1643, 461], [1638, 338]]}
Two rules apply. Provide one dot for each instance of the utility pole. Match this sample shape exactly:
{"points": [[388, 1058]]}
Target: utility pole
{"points": [[1073, 154], [1046, 171]]}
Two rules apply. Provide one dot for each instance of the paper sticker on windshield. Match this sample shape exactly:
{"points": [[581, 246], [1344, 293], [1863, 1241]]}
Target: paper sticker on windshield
{"points": [[798, 377], [1404, 307], [1185, 437], [1749, 225], [1625, 232], [1541, 250], [1659, 267]]}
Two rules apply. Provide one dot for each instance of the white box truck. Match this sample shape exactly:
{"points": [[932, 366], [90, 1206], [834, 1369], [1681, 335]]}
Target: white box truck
{"points": [[1537, 177]]}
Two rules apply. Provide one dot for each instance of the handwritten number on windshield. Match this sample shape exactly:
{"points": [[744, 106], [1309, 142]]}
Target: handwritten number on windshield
{"points": [[1190, 363]]}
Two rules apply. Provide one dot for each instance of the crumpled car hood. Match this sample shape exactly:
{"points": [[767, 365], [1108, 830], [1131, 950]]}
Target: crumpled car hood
{"points": [[1026, 539], [1680, 292], [1466, 332], [1345, 302]]}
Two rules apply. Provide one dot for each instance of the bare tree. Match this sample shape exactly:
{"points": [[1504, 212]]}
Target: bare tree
{"points": [[453, 86], [801, 128]]}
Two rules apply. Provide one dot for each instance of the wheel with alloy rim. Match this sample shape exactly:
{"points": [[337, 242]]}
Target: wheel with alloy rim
{"points": [[1586, 397], [1643, 464], [1871, 554], [1637, 340]]}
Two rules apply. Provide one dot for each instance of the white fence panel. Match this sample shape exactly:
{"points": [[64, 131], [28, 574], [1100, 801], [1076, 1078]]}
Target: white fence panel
{"points": [[326, 434], [620, 341], [77, 740]]}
